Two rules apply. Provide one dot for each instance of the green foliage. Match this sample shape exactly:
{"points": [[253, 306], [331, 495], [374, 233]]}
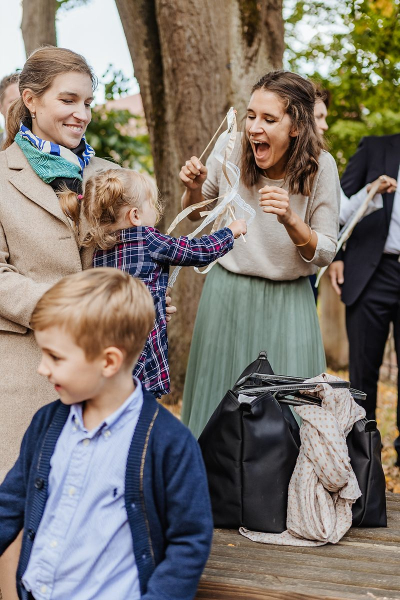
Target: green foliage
{"points": [[107, 137], [110, 131], [70, 4], [355, 55]]}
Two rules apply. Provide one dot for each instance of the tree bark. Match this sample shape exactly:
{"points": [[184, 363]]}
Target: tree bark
{"points": [[38, 24], [193, 61]]}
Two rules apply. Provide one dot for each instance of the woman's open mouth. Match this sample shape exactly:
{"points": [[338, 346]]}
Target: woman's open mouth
{"points": [[260, 149]]}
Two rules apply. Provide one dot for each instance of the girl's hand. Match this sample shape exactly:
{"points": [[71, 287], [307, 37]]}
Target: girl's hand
{"points": [[170, 310], [238, 228], [386, 184], [275, 200], [193, 173]]}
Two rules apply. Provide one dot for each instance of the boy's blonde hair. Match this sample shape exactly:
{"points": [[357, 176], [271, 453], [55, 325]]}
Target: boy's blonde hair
{"points": [[106, 195], [99, 308]]}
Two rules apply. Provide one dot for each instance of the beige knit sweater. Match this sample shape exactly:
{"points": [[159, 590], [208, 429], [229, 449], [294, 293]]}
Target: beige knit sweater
{"points": [[269, 251]]}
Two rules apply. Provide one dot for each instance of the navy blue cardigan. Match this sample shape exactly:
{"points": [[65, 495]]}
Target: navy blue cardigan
{"points": [[166, 497]]}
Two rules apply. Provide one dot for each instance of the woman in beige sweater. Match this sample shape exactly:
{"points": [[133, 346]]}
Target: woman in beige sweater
{"points": [[258, 297], [45, 149]]}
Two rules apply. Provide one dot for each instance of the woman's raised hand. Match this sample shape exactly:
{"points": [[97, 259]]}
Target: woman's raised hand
{"points": [[193, 173], [275, 200]]}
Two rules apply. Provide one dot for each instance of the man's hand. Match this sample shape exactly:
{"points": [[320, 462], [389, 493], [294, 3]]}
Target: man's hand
{"points": [[386, 184], [336, 275], [170, 310]]}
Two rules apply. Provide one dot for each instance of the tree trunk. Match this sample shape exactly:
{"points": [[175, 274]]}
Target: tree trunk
{"points": [[193, 61], [38, 24], [333, 326]]}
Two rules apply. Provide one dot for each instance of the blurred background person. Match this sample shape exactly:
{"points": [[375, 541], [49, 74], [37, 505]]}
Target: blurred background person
{"points": [[348, 206], [9, 92], [367, 273], [322, 102]]}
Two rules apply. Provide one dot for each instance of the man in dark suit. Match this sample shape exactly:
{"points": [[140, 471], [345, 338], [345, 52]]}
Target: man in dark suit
{"points": [[367, 272]]}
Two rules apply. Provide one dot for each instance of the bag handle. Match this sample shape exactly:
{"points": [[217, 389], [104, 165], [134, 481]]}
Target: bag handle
{"points": [[276, 379], [293, 387], [272, 381], [293, 398]]}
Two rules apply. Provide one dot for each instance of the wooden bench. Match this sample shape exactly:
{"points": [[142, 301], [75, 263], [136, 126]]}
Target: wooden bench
{"points": [[365, 564]]}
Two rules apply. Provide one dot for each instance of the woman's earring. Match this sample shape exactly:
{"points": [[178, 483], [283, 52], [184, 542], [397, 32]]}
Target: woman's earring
{"points": [[33, 116]]}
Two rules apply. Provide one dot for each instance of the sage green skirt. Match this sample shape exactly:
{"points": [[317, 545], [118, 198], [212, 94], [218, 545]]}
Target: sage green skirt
{"points": [[237, 317]]}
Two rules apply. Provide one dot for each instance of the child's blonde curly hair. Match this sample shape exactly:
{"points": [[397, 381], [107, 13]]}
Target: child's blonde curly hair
{"points": [[106, 195]]}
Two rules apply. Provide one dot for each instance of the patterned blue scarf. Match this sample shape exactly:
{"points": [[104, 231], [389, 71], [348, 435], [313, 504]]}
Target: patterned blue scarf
{"points": [[51, 161]]}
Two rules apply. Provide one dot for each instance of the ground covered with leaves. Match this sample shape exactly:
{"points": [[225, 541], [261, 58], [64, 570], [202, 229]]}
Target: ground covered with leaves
{"points": [[386, 417]]}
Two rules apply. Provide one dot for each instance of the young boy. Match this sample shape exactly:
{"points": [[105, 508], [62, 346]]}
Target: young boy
{"points": [[109, 487]]}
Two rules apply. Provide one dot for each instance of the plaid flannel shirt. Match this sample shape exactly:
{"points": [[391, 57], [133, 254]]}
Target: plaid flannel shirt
{"points": [[147, 254]]}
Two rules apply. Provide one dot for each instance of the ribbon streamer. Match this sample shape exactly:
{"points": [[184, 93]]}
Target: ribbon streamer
{"points": [[348, 228], [220, 215]]}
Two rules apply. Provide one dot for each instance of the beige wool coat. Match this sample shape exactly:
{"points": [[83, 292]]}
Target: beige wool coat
{"points": [[38, 246]]}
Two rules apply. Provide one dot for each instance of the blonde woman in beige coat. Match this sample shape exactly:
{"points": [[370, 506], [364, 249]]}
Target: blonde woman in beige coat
{"points": [[38, 245]]}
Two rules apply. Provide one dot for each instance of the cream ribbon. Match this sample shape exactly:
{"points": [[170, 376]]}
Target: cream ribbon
{"points": [[220, 215]]}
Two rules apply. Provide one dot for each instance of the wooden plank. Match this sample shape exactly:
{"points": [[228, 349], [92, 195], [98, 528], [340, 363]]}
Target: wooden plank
{"points": [[304, 572], [310, 590], [377, 535], [391, 496], [345, 549], [364, 565], [349, 560], [220, 591]]}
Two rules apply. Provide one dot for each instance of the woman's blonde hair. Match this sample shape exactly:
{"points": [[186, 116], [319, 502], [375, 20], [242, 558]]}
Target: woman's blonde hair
{"points": [[38, 74], [99, 308], [298, 97], [106, 195]]}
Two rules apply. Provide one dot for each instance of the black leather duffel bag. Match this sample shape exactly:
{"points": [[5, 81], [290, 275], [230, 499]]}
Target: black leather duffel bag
{"points": [[364, 444], [250, 447]]}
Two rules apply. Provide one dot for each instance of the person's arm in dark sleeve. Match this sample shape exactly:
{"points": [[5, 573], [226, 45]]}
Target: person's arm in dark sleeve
{"points": [[12, 499], [189, 524], [355, 175], [182, 251]]}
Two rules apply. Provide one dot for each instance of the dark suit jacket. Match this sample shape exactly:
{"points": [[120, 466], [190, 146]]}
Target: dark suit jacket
{"points": [[375, 156]]}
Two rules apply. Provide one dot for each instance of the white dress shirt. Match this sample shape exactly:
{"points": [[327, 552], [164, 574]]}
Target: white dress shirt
{"points": [[392, 245], [348, 206]]}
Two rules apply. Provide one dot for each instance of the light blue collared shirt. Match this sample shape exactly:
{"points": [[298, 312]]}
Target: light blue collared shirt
{"points": [[83, 549]]}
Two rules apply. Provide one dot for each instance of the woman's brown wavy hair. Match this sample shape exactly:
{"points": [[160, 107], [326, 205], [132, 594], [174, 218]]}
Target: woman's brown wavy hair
{"points": [[298, 98]]}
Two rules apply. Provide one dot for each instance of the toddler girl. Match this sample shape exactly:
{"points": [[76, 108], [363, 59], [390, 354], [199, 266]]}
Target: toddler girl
{"points": [[121, 207]]}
